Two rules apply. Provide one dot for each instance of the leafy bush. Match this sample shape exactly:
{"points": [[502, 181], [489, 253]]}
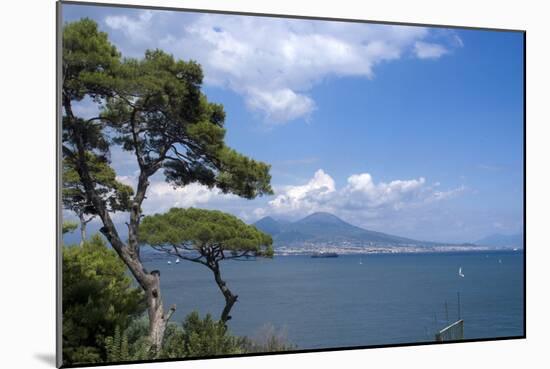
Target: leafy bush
{"points": [[69, 226], [97, 297], [195, 337], [268, 339], [173, 346], [208, 337], [117, 346]]}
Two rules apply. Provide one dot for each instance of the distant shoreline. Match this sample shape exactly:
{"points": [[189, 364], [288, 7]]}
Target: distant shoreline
{"points": [[151, 254], [394, 250]]}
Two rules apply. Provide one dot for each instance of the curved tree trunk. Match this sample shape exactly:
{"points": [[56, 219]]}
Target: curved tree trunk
{"points": [[150, 283], [230, 299], [128, 252]]}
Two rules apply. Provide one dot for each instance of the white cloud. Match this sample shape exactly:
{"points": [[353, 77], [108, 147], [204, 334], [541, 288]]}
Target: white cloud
{"points": [[127, 180], [458, 41], [442, 195], [272, 62], [426, 50], [162, 196], [134, 28], [361, 196], [307, 197], [280, 105], [361, 191]]}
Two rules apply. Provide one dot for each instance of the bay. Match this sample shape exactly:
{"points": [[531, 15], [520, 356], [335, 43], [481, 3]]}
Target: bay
{"points": [[356, 300]]}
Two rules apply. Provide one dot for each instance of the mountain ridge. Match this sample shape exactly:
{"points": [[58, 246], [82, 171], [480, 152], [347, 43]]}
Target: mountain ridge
{"points": [[323, 228]]}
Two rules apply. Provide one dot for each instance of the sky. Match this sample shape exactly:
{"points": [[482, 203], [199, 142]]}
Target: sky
{"points": [[413, 131]]}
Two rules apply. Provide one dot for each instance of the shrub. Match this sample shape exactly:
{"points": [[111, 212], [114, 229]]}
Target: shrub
{"points": [[208, 337], [97, 297]]}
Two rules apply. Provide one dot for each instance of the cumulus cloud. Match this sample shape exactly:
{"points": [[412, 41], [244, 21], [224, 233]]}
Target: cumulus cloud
{"points": [[273, 62], [306, 197], [136, 29], [361, 195], [361, 191], [426, 50], [280, 105], [127, 180], [162, 196]]}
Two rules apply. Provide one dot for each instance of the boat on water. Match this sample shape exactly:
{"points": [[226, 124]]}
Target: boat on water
{"points": [[324, 255], [460, 272], [177, 261], [169, 262]]}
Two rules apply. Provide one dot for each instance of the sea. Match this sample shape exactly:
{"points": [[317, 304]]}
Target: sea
{"points": [[356, 300]]}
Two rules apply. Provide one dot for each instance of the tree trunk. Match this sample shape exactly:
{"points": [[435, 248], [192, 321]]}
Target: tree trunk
{"points": [[128, 252], [83, 224], [157, 319], [230, 299]]}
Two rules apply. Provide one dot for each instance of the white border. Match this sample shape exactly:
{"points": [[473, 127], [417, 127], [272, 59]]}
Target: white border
{"points": [[27, 182]]}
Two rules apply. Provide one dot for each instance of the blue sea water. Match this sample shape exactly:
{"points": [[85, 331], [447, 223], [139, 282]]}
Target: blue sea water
{"points": [[357, 300]]}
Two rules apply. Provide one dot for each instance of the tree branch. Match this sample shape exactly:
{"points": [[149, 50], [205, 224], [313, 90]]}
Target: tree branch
{"points": [[170, 312]]}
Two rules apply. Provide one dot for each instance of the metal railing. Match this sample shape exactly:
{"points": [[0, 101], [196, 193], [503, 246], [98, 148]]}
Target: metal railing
{"points": [[453, 332]]}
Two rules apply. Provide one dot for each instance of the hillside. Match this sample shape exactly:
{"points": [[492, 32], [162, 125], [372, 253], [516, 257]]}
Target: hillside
{"points": [[325, 228]]}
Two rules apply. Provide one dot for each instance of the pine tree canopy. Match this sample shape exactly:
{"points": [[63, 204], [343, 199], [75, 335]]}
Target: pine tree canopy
{"points": [[198, 230]]}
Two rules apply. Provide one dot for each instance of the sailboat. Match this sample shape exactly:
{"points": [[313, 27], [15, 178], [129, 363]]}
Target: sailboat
{"points": [[177, 260], [460, 272], [169, 262], [360, 261]]}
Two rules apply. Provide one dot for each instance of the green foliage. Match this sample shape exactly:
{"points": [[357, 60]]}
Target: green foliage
{"points": [[268, 339], [88, 60], [97, 297], [69, 226], [89, 65], [173, 346], [210, 236], [117, 346], [207, 337], [154, 108], [242, 176], [201, 228], [129, 345], [195, 337], [115, 194], [171, 122]]}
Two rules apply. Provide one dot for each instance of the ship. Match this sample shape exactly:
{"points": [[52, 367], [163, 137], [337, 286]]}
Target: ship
{"points": [[324, 255]]}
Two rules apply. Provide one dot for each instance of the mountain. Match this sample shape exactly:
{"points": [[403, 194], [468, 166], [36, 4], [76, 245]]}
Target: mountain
{"points": [[269, 225], [502, 240], [326, 228]]}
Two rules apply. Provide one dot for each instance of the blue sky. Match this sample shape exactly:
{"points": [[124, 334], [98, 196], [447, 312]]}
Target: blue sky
{"points": [[407, 130]]}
